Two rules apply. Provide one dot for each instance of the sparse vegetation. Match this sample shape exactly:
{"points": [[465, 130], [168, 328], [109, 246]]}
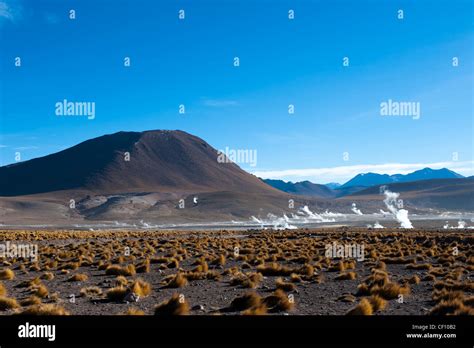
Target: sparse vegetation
{"points": [[176, 305], [287, 262]]}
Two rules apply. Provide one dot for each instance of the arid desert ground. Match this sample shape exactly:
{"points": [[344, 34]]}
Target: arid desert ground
{"points": [[333, 271]]}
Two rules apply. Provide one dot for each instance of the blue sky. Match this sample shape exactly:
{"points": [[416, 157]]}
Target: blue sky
{"points": [[282, 62]]}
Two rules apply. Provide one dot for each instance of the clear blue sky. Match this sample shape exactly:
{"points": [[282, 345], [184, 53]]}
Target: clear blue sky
{"points": [[283, 62]]}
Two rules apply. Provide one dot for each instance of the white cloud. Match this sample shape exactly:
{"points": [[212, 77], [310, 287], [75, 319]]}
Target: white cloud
{"points": [[344, 173], [5, 11], [9, 10]]}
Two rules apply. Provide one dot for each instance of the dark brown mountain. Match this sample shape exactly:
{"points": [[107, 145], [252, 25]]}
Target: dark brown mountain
{"points": [[160, 161]]}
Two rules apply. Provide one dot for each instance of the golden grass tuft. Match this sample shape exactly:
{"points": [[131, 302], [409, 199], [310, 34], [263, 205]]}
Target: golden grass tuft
{"points": [[363, 290], [91, 291], [41, 291], [30, 301], [414, 279], [274, 269], [178, 281], [281, 284], [78, 277], [390, 291], [144, 267], [3, 290], [45, 309], [117, 294], [250, 281], [278, 302], [450, 307], [7, 274], [419, 266], [337, 267], [121, 280], [295, 278], [363, 308], [47, 276], [246, 301], [260, 310], [346, 276], [377, 303], [176, 305], [118, 270], [7, 303], [141, 288]]}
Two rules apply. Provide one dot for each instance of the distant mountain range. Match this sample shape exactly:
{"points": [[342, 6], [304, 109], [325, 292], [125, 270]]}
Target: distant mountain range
{"points": [[301, 188], [359, 182], [371, 179]]}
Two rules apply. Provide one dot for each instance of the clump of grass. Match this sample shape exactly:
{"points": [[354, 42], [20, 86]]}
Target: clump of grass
{"points": [[54, 297], [45, 309], [281, 284], [141, 288], [307, 270], [446, 295], [91, 291], [144, 267], [103, 266], [363, 290], [41, 291], [7, 303], [219, 261], [47, 276], [202, 267], [414, 279], [346, 276], [70, 266], [177, 281], [419, 266], [260, 310], [452, 306], [363, 308], [250, 281], [7, 274], [176, 305], [121, 280], [3, 290], [377, 303], [295, 278], [117, 294], [390, 291], [246, 301], [78, 277], [173, 263], [30, 301], [338, 267], [274, 269], [278, 302], [118, 270]]}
